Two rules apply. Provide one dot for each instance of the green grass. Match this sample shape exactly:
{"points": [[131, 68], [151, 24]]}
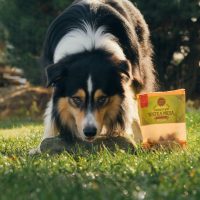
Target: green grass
{"points": [[159, 174]]}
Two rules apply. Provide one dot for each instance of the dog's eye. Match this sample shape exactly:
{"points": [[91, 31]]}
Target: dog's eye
{"points": [[77, 101], [101, 101]]}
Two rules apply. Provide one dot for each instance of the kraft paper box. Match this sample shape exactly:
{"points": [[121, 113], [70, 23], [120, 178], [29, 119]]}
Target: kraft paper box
{"points": [[162, 117]]}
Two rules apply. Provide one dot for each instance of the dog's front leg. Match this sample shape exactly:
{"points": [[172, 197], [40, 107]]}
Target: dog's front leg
{"points": [[50, 129]]}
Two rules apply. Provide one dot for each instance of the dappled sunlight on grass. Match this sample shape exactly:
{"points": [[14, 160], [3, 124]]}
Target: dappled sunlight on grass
{"points": [[161, 174], [23, 131]]}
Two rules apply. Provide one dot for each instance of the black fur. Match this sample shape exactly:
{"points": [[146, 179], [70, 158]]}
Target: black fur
{"points": [[122, 20]]}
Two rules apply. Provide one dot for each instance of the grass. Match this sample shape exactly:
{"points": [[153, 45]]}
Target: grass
{"points": [[153, 175]]}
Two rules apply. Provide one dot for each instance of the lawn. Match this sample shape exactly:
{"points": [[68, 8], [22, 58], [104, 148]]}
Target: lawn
{"points": [[162, 174]]}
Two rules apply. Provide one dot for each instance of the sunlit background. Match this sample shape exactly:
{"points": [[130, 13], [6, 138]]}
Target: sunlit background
{"points": [[175, 33]]}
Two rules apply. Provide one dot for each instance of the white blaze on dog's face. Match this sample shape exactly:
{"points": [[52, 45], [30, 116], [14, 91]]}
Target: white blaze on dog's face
{"points": [[90, 125]]}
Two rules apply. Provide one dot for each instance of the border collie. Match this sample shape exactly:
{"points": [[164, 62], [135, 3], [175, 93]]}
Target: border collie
{"points": [[97, 56]]}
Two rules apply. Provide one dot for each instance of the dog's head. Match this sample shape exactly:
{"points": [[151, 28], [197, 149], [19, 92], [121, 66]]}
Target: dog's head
{"points": [[89, 90]]}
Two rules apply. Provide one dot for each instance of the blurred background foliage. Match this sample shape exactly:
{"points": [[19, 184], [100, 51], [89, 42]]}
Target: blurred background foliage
{"points": [[174, 25]]}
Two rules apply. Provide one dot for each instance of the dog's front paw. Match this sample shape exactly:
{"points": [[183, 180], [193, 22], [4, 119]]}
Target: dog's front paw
{"points": [[35, 151], [54, 145]]}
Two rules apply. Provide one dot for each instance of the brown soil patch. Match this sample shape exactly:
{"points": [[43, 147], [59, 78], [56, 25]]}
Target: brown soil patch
{"points": [[23, 101]]}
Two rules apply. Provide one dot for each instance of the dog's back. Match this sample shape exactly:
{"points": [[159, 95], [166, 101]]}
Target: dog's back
{"points": [[121, 19]]}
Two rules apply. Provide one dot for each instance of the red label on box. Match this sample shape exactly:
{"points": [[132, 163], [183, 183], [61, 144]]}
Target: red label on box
{"points": [[143, 100]]}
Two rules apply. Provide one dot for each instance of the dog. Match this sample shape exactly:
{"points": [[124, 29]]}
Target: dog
{"points": [[98, 57]]}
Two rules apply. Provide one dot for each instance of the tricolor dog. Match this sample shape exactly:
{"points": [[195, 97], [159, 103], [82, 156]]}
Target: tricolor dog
{"points": [[98, 56]]}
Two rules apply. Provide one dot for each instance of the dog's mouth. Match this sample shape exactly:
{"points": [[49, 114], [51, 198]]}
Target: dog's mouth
{"points": [[90, 139]]}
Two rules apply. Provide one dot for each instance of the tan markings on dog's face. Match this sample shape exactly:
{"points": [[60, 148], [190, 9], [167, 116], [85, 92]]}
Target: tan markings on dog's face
{"points": [[114, 106], [70, 113], [78, 98], [80, 93], [77, 119], [77, 113], [109, 111], [64, 110], [99, 93]]}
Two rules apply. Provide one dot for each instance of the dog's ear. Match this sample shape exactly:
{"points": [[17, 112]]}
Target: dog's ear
{"points": [[54, 73], [132, 74], [125, 70], [137, 80]]}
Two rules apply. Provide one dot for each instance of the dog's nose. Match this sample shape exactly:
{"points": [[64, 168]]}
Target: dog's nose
{"points": [[90, 131]]}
